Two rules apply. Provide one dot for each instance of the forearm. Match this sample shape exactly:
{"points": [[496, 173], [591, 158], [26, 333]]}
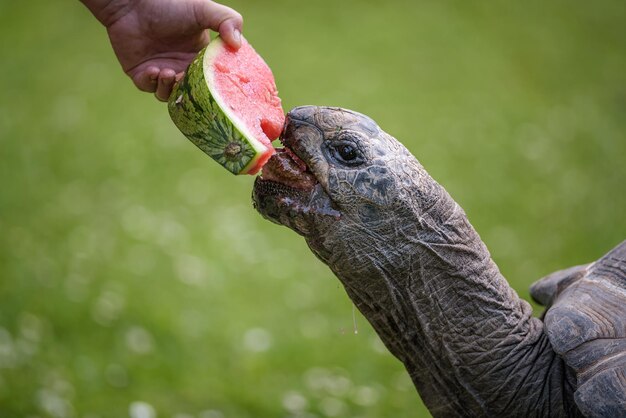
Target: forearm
{"points": [[107, 11]]}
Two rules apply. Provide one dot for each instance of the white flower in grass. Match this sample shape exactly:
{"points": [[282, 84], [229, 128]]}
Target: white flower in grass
{"points": [[294, 402], [257, 340], [139, 340], [333, 407], [140, 409], [365, 396]]}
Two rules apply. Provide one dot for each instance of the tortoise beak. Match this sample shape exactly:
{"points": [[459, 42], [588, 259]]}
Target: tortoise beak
{"points": [[301, 134], [299, 122], [288, 192]]}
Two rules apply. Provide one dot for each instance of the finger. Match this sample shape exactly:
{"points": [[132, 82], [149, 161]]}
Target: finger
{"points": [[230, 34], [221, 19], [167, 77], [146, 80]]}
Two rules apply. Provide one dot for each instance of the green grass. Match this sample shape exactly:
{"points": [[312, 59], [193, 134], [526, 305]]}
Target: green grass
{"points": [[133, 268]]}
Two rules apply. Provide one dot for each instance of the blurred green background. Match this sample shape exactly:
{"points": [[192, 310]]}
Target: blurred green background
{"points": [[135, 277]]}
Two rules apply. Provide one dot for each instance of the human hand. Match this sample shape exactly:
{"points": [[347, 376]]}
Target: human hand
{"points": [[155, 40]]}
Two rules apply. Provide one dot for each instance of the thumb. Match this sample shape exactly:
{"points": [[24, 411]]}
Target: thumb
{"points": [[221, 19]]}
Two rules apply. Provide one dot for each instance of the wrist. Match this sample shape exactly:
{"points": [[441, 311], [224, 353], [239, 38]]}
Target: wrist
{"points": [[108, 11]]}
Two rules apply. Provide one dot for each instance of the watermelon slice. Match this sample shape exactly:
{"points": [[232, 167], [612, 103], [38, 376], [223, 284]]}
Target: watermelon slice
{"points": [[228, 106]]}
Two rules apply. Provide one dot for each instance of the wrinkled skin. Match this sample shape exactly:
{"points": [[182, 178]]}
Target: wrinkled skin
{"points": [[414, 266]]}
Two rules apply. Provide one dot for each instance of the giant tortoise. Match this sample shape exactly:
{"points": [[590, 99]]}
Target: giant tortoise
{"points": [[415, 267]]}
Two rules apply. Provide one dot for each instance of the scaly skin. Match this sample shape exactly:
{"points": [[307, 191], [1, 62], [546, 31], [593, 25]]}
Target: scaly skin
{"points": [[418, 271]]}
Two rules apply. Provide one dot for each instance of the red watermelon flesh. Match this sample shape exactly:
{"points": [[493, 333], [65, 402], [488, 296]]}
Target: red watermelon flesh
{"points": [[228, 106], [246, 85]]}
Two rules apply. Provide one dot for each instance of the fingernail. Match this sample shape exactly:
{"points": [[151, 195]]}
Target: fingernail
{"points": [[237, 36]]}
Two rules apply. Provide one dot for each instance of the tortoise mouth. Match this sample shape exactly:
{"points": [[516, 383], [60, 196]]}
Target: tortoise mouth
{"points": [[283, 190], [287, 169], [288, 193]]}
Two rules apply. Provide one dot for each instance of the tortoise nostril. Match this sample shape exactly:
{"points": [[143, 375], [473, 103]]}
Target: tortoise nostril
{"points": [[297, 130], [302, 113]]}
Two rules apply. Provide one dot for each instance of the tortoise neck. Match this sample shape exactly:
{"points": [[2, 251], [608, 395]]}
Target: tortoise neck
{"points": [[440, 304]]}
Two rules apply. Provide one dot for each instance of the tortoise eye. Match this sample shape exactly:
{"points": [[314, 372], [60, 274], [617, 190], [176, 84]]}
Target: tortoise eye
{"points": [[346, 152]]}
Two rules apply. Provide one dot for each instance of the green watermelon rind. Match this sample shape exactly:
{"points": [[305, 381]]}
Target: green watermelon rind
{"points": [[205, 119]]}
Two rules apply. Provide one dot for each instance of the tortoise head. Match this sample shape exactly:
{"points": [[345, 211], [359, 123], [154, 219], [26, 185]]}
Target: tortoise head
{"points": [[339, 175]]}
